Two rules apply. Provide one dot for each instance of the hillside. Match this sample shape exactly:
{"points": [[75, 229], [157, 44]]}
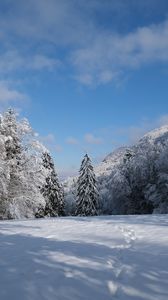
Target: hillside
{"points": [[110, 161], [132, 180], [153, 138], [99, 258]]}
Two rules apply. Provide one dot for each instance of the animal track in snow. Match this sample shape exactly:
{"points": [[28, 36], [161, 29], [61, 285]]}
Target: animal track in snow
{"points": [[129, 235], [119, 268]]}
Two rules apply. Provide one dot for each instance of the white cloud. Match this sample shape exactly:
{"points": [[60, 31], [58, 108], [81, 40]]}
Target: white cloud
{"points": [[107, 76], [51, 143], [40, 62], [10, 95], [12, 61], [109, 54], [97, 54], [72, 141], [59, 22], [58, 148], [91, 139], [49, 138], [163, 120], [85, 79], [131, 134]]}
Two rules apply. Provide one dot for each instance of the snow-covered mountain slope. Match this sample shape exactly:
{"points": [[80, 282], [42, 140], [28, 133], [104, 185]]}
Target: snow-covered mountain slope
{"points": [[110, 161], [156, 135], [138, 173], [100, 258]]}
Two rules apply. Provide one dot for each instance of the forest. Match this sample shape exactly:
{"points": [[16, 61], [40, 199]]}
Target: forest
{"points": [[131, 180]]}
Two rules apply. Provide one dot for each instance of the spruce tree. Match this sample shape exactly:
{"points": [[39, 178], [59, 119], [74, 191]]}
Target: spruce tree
{"points": [[87, 193], [22, 198], [9, 129], [52, 189]]}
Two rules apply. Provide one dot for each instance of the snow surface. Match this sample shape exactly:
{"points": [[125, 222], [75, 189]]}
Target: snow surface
{"points": [[113, 257]]}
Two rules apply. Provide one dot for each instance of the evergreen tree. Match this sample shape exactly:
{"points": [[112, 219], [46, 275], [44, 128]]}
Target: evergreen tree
{"points": [[87, 193], [135, 202], [13, 149], [20, 196], [9, 129], [52, 189]]}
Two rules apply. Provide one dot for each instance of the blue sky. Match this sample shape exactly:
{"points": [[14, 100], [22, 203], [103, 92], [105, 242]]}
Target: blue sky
{"points": [[90, 75]]}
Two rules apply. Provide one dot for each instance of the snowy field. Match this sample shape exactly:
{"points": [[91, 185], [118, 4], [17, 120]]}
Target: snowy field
{"points": [[101, 258]]}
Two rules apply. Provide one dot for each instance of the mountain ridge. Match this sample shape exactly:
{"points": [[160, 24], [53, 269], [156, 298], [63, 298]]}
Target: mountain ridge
{"points": [[136, 174]]}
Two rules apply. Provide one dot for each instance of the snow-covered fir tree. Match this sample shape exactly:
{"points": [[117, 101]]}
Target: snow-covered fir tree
{"points": [[52, 189], [13, 156], [87, 193], [4, 175], [10, 130], [20, 169]]}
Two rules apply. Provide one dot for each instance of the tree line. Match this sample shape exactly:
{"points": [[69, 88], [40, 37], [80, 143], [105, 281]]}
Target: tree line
{"points": [[29, 184]]}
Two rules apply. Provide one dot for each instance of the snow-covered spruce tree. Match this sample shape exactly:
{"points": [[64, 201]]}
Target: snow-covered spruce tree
{"points": [[52, 189], [4, 175], [13, 151], [21, 165], [10, 130], [87, 193]]}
